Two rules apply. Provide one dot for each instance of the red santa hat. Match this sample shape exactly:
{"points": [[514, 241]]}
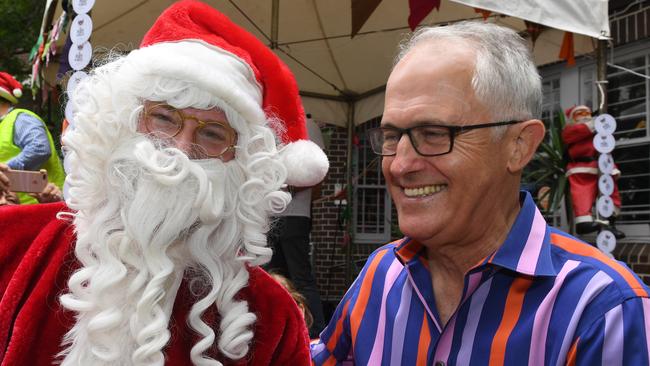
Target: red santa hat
{"points": [[571, 111], [190, 29], [10, 88]]}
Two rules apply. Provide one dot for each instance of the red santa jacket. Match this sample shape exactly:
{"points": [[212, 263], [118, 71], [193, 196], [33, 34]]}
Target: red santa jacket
{"points": [[579, 139], [36, 259]]}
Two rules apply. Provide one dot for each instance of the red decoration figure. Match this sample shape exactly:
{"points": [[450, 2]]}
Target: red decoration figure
{"points": [[582, 170]]}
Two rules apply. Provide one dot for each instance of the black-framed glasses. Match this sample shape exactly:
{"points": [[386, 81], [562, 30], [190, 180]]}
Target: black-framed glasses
{"points": [[427, 140], [213, 138]]}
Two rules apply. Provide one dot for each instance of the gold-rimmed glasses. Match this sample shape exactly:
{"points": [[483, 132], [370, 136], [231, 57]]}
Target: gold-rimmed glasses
{"points": [[215, 138]]}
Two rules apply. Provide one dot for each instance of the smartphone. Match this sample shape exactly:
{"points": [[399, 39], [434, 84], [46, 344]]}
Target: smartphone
{"points": [[26, 180]]}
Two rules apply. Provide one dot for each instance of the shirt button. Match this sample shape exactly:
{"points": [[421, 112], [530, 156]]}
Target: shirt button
{"points": [[440, 363]]}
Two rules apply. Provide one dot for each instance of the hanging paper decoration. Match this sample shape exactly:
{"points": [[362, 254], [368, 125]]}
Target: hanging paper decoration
{"points": [[419, 9], [80, 51], [567, 52], [604, 143]]}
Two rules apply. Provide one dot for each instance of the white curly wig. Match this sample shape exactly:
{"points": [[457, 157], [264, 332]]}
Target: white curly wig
{"points": [[147, 216]]}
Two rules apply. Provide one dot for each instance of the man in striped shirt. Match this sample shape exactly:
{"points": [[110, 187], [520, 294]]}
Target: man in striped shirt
{"points": [[479, 278]]}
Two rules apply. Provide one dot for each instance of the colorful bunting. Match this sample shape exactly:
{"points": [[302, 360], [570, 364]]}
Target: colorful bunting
{"points": [[361, 11], [419, 9], [567, 51]]}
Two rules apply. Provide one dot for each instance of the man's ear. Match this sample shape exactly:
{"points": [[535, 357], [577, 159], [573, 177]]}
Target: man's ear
{"points": [[529, 135]]}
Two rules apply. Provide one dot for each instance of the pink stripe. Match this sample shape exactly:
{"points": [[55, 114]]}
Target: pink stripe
{"points": [[472, 284], [530, 254], [646, 321], [377, 349], [444, 344], [596, 284], [543, 316], [614, 337], [426, 306]]}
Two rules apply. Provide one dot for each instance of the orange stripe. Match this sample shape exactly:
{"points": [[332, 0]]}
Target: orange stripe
{"points": [[513, 305], [331, 361], [571, 356], [576, 247], [338, 330], [362, 299], [424, 342]]}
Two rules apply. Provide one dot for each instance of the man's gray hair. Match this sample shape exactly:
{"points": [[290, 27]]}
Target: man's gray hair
{"points": [[505, 77]]}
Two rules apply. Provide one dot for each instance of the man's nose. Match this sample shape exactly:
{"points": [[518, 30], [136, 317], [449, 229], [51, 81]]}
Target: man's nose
{"points": [[406, 159], [185, 138]]}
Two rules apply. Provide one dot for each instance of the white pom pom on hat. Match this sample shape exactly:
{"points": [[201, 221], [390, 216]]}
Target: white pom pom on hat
{"points": [[18, 93], [193, 21]]}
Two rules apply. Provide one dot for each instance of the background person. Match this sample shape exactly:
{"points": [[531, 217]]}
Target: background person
{"points": [[479, 278], [25, 142], [289, 238]]}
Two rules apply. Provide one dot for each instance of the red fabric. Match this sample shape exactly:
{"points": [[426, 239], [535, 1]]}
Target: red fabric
{"points": [[584, 186], [419, 9], [36, 259], [189, 19], [579, 139], [584, 190]]}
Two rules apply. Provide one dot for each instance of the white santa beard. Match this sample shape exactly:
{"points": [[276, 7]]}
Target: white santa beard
{"points": [[162, 213]]}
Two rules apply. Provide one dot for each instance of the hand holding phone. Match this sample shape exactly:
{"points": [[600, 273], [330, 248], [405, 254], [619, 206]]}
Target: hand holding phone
{"points": [[26, 181]]}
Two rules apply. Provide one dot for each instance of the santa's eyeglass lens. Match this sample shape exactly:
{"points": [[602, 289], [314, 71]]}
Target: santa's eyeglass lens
{"points": [[214, 138]]}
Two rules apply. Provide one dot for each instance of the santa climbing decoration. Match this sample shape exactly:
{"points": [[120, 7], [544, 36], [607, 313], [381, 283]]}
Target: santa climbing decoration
{"points": [[592, 174]]}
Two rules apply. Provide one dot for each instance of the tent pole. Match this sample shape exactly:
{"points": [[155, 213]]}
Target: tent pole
{"points": [[348, 178], [275, 18], [601, 75]]}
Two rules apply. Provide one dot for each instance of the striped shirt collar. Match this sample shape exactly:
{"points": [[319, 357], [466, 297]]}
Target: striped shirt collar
{"points": [[526, 250]]}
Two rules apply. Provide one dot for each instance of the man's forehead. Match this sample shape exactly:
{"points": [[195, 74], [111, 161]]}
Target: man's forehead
{"points": [[442, 103]]}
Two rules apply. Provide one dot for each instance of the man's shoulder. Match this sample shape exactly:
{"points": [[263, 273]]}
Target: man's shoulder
{"points": [[596, 269], [26, 116]]}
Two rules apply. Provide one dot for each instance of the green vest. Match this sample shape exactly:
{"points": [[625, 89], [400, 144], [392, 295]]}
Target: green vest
{"points": [[8, 150]]}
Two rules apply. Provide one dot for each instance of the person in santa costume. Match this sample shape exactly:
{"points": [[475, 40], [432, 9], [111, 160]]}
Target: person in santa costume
{"points": [[178, 153], [582, 170]]}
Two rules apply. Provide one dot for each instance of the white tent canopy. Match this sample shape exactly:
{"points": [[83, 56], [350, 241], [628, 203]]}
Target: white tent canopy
{"points": [[334, 71]]}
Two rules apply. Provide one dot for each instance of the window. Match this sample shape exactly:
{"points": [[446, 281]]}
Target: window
{"points": [[627, 99], [634, 183], [372, 205]]}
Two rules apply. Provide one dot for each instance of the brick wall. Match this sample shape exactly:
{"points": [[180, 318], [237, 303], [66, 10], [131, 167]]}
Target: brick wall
{"points": [[637, 257], [327, 224]]}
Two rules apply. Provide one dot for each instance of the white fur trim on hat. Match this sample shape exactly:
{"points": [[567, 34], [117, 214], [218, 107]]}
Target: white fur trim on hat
{"points": [[302, 172], [214, 70]]}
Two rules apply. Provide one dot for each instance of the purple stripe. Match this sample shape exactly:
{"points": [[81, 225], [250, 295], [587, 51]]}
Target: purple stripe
{"points": [[646, 321], [472, 284], [614, 338], [530, 254], [474, 315], [426, 306], [377, 349], [399, 327], [444, 344], [597, 283], [543, 316]]}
